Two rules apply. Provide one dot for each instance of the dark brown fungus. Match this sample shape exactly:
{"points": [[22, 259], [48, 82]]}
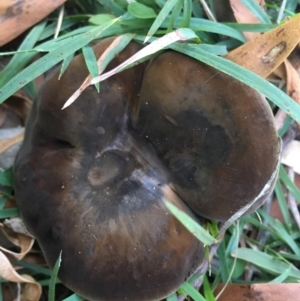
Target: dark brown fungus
{"points": [[215, 135], [86, 186], [91, 180]]}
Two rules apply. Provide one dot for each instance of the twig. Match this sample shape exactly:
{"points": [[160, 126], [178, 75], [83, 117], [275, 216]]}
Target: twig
{"points": [[263, 235], [292, 201], [59, 21], [279, 119], [290, 135], [208, 11]]}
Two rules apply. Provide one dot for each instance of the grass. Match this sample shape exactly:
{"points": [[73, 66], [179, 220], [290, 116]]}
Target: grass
{"points": [[270, 256]]}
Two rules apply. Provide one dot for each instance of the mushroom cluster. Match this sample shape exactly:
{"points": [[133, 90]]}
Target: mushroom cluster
{"points": [[92, 180]]}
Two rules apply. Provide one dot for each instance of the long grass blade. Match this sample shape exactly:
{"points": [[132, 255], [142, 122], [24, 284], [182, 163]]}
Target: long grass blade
{"points": [[50, 59], [160, 18], [191, 225], [51, 293]]}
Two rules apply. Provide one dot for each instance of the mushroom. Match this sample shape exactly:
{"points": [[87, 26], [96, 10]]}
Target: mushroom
{"points": [[87, 187], [215, 135], [92, 180]]}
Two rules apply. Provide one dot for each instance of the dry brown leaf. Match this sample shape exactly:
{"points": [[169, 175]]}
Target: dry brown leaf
{"points": [[260, 292], [16, 224], [266, 52], [243, 15], [17, 16], [24, 242], [292, 81], [7, 143], [20, 103], [30, 291], [294, 58], [7, 271]]}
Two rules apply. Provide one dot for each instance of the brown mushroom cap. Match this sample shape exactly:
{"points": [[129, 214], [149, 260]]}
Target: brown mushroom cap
{"points": [[215, 135], [86, 186]]}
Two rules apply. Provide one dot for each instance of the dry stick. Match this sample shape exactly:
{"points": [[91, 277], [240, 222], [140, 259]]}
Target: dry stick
{"points": [[290, 135], [263, 235], [208, 11], [292, 201], [59, 21], [279, 119]]}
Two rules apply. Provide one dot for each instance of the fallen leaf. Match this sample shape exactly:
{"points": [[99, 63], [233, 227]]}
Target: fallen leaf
{"points": [[31, 291], [262, 292], [266, 52], [16, 224], [291, 157], [294, 58], [17, 16], [20, 104], [7, 271], [292, 81], [7, 143], [243, 15], [22, 241]]}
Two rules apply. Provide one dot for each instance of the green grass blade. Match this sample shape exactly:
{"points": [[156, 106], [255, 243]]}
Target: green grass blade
{"points": [[113, 7], [289, 183], [291, 5], [101, 19], [281, 278], [251, 27], [191, 225], [197, 9], [187, 12], [2, 203], [49, 60], [223, 261], [9, 212], [267, 262], [174, 15], [289, 255], [65, 64], [192, 292], [123, 41], [208, 293], [195, 277], [91, 63], [214, 49], [6, 177], [207, 26], [51, 293], [74, 297], [249, 78], [141, 11], [172, 297], [160, 18], [20, 60], [281, 232], [256, 9], [50, 29], [283, 205], [35, 267]]}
